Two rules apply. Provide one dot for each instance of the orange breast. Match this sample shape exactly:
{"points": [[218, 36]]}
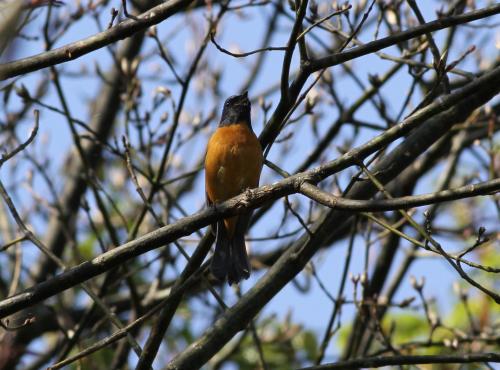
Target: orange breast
{"points": [[233, 164]]}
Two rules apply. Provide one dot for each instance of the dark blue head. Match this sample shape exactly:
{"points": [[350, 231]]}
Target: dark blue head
{"points": [[236, 110]]}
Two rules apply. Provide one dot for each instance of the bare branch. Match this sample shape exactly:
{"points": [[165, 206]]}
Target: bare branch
{"points": [[21, 147], [408, 360], [85, 46]]}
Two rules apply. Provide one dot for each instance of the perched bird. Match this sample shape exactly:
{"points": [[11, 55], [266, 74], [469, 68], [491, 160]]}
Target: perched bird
{"points": [[232, 165]]}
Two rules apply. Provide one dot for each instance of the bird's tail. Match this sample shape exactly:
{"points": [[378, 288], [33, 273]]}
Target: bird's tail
{"points": [[230, 258]]}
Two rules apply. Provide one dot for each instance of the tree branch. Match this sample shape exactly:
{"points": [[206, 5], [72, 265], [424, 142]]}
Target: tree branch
{"points": [[78, 48], [315, 193], [368, 48], [408, 360]]}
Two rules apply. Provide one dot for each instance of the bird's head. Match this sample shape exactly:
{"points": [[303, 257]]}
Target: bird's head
{"points": [[236, 110]]}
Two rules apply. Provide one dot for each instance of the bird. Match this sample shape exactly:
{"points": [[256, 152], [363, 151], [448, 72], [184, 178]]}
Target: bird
{"points": [[233, 164]]}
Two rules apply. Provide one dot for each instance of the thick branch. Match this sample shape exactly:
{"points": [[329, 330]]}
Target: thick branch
{"points": [[313, 192], [78, 48], [439, 24], [408, 360]]}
